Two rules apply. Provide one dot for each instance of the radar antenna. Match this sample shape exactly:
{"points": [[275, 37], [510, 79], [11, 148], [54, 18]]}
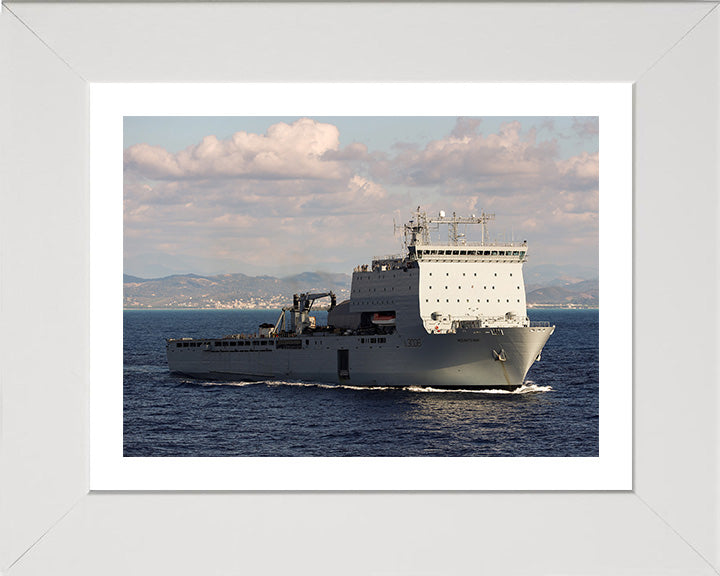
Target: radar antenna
{"points": [[453, 221], [416, 230]]}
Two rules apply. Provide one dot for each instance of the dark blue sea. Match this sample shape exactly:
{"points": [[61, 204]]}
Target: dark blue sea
{"points": [[556, 414]]}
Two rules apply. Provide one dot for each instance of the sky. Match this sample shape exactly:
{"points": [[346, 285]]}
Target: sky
{"points": [[278, 195]]}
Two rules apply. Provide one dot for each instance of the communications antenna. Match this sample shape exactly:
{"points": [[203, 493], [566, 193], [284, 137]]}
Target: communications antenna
{"points": [[452, 221]]}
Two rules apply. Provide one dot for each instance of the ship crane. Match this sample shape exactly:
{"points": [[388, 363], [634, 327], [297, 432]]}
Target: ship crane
{"points": [[300, 319]]}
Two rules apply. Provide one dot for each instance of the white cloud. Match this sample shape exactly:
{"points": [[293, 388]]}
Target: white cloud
{"points": [[303, 149], [292, 199]]}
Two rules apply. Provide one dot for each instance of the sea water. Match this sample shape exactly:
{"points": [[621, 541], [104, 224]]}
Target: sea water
{"points": [[554, 414]]}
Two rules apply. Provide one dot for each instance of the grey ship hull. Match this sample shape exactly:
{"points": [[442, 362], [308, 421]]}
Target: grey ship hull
{"points": [[468, 359]]}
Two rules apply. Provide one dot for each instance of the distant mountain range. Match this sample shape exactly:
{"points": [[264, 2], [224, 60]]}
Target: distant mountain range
{"points": [[228, 290], [241, 291], [585, 293]]}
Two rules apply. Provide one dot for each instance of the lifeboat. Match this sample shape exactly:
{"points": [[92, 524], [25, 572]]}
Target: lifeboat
{"points": [[384, 318]]}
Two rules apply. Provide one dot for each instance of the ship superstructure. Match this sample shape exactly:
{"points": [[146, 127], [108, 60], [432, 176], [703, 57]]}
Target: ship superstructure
{"points": [[444, 313]]}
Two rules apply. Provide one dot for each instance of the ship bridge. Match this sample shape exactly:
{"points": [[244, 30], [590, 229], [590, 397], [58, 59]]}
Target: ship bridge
{"points": [[466, 282], [477, 252], [446, 283]]}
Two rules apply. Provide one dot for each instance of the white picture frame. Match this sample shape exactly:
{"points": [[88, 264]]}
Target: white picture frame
{"points": [[668, 523], [110, 470]]}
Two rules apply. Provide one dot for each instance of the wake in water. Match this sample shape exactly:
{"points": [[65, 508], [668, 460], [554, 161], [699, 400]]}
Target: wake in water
{"points": [[528, 387], [524, 389]]}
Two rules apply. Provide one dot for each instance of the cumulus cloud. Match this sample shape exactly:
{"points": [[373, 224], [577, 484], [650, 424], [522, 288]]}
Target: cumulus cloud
{"points": [[293, 199], [465, 127], [580, 171], [506, 161], [303, 149], [586, 127]]}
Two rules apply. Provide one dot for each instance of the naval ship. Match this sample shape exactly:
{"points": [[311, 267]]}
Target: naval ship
{"points": [[447, 314]]}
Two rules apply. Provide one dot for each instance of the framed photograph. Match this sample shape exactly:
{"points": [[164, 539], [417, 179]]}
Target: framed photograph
{"points": [[368, 186], [63, 408]]}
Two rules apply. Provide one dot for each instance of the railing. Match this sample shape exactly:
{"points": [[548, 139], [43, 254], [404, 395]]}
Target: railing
{"points": [[388, 257], [450, 245], [491, 322], [499, 322]]}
